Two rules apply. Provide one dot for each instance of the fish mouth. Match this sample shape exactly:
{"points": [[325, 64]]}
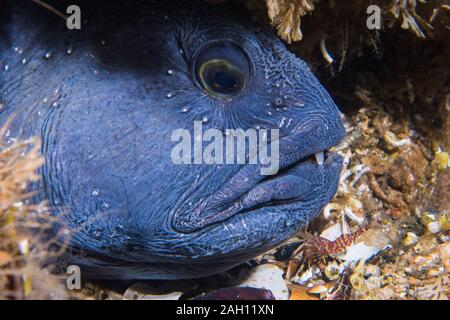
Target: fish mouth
{"points": [[290, 186], [305, 172]]}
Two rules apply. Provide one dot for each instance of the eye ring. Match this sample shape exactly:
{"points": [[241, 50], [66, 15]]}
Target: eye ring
{"points": [[222, 69], [221, 78]]}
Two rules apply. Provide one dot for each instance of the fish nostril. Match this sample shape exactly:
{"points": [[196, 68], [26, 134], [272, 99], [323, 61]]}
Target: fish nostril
{"points": [[277, 102]]}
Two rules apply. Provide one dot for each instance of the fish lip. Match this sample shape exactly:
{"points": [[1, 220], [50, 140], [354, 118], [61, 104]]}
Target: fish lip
{"points": [[205, 215], [332, 159]]}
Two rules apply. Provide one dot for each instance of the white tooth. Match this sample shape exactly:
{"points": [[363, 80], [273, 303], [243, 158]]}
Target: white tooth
{"points": [[320, 157]]}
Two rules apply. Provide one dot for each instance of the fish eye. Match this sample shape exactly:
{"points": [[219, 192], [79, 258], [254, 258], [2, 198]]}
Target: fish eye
{"points": [[222, 70], [221, 78]]}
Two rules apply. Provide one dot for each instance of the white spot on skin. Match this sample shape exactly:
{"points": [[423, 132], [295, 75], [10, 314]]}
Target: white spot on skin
{"points": [[105, 205]]}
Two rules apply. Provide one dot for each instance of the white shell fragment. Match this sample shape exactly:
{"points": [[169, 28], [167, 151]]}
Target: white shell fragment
{"points": [[266, 276], [24, 247], [144, 291], [333, 232], [306, 276], [360, 251]]}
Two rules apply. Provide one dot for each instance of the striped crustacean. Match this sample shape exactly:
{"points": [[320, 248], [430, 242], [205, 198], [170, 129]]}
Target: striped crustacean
{"points": [[316, 246]]}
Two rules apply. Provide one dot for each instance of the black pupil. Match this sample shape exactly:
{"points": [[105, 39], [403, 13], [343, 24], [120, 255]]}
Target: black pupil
{"points": [[225, 81], [221, 78]]}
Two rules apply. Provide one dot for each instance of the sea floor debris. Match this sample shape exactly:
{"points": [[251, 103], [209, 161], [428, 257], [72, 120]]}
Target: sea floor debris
{"points": [[377, 239], [22, 252]]}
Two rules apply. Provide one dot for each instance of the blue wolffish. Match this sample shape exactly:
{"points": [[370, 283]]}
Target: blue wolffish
{"points": [[105, 101]]}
